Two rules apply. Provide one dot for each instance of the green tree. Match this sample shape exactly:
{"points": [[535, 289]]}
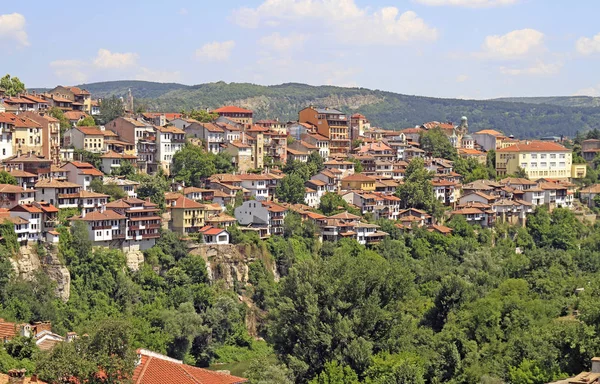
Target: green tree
{"points": [[113, 190], [126, 169], [192, 165], [109, 350], [202, 115], [11, 85], [64, 123], [520, 173], [262, 371], [291, 189], [334, 373], [417, 190], [110, 108], [7, 178], [358, 167], [153, 187], [87, 121], [435, 143]]}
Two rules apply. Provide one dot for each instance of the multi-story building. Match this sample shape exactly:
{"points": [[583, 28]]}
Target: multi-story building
{"points": [[142, 224], [106, 227], [257, 185], [81, 173], [26, 103], [7, 128], [89, 139], [112, 160], [264, 217], [358, 125], [237, 114], [319, 141], [211, 134], [13, 195], [50, 134], [169, 140], [129, 187], [143, 136], [487, 139], [241, 155], [189, 216], [26, 134], [330, 123], [538, 159], [358, 182], [61, 194]]}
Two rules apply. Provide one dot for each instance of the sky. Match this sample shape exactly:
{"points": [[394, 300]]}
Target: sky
{"points": [[473, 49]]}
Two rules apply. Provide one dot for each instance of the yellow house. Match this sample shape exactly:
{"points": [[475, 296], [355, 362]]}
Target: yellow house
{"points": [[27, 136], [188, 216], [539, 159], [358, 182]]}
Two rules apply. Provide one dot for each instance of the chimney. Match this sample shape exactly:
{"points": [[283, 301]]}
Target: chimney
{"points": [[595, 364], [16, 376], [33, 379]]}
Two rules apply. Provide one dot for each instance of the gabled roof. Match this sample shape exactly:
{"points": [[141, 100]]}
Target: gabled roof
{"points": [[344, 216], [155, 368], [115, 155], [9, 188], [90, 131], [109, 214], [534, 146], [211, 231], [231, 109], [52, 183], [488, 132], [75, 115], [183, 202], [358, 177]]}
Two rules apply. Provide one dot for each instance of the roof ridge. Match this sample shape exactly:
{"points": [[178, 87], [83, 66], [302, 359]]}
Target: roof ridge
{"points": [[139, 380]]}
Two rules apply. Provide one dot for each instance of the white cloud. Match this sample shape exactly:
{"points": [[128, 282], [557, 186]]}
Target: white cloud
{"points": [[72, 71], [148, 74], [462, 78], [348, 22], [277, 42], [12, 27], [108, 59], [513, 44], [183, 12], [215, 51], [538, 69], [590, 91], [468, 3], [587, 46]]}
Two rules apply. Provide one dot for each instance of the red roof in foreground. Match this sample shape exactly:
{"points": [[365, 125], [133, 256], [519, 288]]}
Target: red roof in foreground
{"points": [[158, 369]]}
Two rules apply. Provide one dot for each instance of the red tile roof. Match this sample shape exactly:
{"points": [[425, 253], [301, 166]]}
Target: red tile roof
{"points": [[534, 146], [358, 177], [159, 369], [183, 202], [90, 131], [231, 109], [75, 115]]}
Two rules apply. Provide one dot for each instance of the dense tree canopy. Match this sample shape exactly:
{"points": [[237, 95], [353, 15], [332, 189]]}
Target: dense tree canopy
{"points": [[11, 85]]}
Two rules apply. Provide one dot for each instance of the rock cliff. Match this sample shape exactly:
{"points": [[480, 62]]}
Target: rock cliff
{"points": [[28, 261]]}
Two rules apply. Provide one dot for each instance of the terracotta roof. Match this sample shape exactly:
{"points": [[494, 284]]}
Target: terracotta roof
{"points": [[75, 115], [252, 176], [159, 369], [469, 151], [488, 132], [109, 214], [221, 218], [170, 130], [439, 228], [168, 115], [591, 189], [358, 177], [239, 144], [115, 155], [231, 109], [344, 216], [379, 146], [4, 379], [9, 188], [26, 208], [210, 230], [183, 202], [18, 121], [17, 220], [7, 330], [296, 152], [52, 183], [90, 131], [467, 211], [534, 146]]}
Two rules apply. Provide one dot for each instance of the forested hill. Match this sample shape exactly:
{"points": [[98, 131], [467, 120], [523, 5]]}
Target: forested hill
{"points": [[384, 109], [562, 101]]}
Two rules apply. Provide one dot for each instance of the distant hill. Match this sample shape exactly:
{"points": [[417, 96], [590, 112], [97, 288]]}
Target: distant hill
{"points": [[562, 101], [384, 109]]}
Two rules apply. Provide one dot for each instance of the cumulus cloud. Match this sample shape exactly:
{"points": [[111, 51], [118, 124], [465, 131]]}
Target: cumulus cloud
{"points": [[73, 71], [513, 44], [587, 46], [347, 21], [12, 28], [590, 91], [279, 43], [216, 51], [538, 69], [108, 59], [468, 3]]}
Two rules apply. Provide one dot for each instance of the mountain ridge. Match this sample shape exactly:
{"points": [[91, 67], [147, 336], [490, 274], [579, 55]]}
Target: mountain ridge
{"points": [[388, 110]]}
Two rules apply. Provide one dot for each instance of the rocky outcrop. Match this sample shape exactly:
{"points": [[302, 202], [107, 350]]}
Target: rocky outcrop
{"points": [[229, 262], [28, 262], [134, 259]]}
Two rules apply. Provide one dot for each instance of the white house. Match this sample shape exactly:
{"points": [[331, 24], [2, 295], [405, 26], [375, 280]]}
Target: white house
{"points": [[169, 140], [213, 235]]}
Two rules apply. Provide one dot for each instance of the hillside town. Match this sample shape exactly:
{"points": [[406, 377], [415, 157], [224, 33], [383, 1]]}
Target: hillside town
{"points": [[215, 176], [362, 164]]}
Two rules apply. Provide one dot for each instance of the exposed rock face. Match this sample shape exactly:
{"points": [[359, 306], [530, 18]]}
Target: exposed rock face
{"points": [[28, 262], [228, 262], [134, 259], [58, 272]]}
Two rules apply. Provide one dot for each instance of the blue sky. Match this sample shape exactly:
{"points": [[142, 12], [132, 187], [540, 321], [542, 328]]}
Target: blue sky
{"points": [[441, 48]]}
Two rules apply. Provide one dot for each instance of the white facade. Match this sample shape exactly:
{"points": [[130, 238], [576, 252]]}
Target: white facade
{"points": [[6, 137]]}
